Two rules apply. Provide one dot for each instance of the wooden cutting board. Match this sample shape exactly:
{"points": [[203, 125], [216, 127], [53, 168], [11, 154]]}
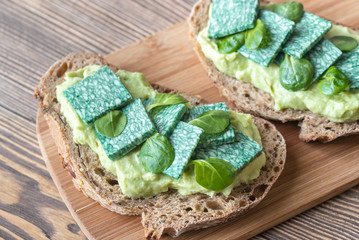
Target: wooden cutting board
{"points": [[314, 172]]}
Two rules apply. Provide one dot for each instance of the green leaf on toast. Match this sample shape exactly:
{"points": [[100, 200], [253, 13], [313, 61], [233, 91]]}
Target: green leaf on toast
{"points": [[230, 43], [214, 173], [296, 74], [112, 124], [166, 99], [156, 154], [344, 43], [291, 10], [333, 81], [214, 121], [257, 37]]}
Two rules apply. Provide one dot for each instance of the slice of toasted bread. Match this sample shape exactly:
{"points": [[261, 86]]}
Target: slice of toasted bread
{"points": [[169, 212], [252, 100]]}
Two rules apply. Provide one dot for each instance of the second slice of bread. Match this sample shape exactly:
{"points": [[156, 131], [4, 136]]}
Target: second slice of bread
{"points": [[252, 100]]}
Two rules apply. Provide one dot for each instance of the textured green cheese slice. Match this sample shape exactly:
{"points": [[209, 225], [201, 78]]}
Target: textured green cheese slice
{"points": [[280, 28], [232, 16], [322, 56], [238, 153], [348, 63], [184, 140], [166, 118], [307, 33], [226, 136], [139, 127], [97, 94]]}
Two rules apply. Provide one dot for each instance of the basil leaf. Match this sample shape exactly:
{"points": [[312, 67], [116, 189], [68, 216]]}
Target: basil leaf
{"points": [[166, 99], [333, 81], [344, 43], [214, 121], [290, 10], [258, 37], [230, 43], [296, 74], [156, 154], [214, 173], [269, 6], [112, 124]]}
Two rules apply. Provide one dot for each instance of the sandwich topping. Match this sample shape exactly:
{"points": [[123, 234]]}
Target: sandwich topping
{"points": [[307, 64], [154, 141]]}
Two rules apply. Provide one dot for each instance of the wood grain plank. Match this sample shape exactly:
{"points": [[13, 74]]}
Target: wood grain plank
{"points": [[28, 197]]}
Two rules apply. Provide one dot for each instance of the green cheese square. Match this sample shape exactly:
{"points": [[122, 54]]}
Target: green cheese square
{"points": [[348, 63], [211, 139], [97, 94], [280, 28], [322, 56], [238, 153], [307, 33], [166, 118], [232, 16], [139, 127], [184, 140]]}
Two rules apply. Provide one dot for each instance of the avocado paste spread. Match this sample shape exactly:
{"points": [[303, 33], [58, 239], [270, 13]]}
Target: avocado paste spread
{"points": [[343, 107], [133, 180]]}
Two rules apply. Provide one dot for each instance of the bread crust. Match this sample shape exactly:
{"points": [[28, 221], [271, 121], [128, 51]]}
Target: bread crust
{"points": [[95, 182], [250, 99]]}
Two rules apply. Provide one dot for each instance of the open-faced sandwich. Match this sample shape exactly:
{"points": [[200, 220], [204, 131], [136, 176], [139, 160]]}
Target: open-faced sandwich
{"points": [[142, 149], [280, 62]]}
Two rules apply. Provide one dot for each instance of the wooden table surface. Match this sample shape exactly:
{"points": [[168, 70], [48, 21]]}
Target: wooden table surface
{"points": [[34, 34]]}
